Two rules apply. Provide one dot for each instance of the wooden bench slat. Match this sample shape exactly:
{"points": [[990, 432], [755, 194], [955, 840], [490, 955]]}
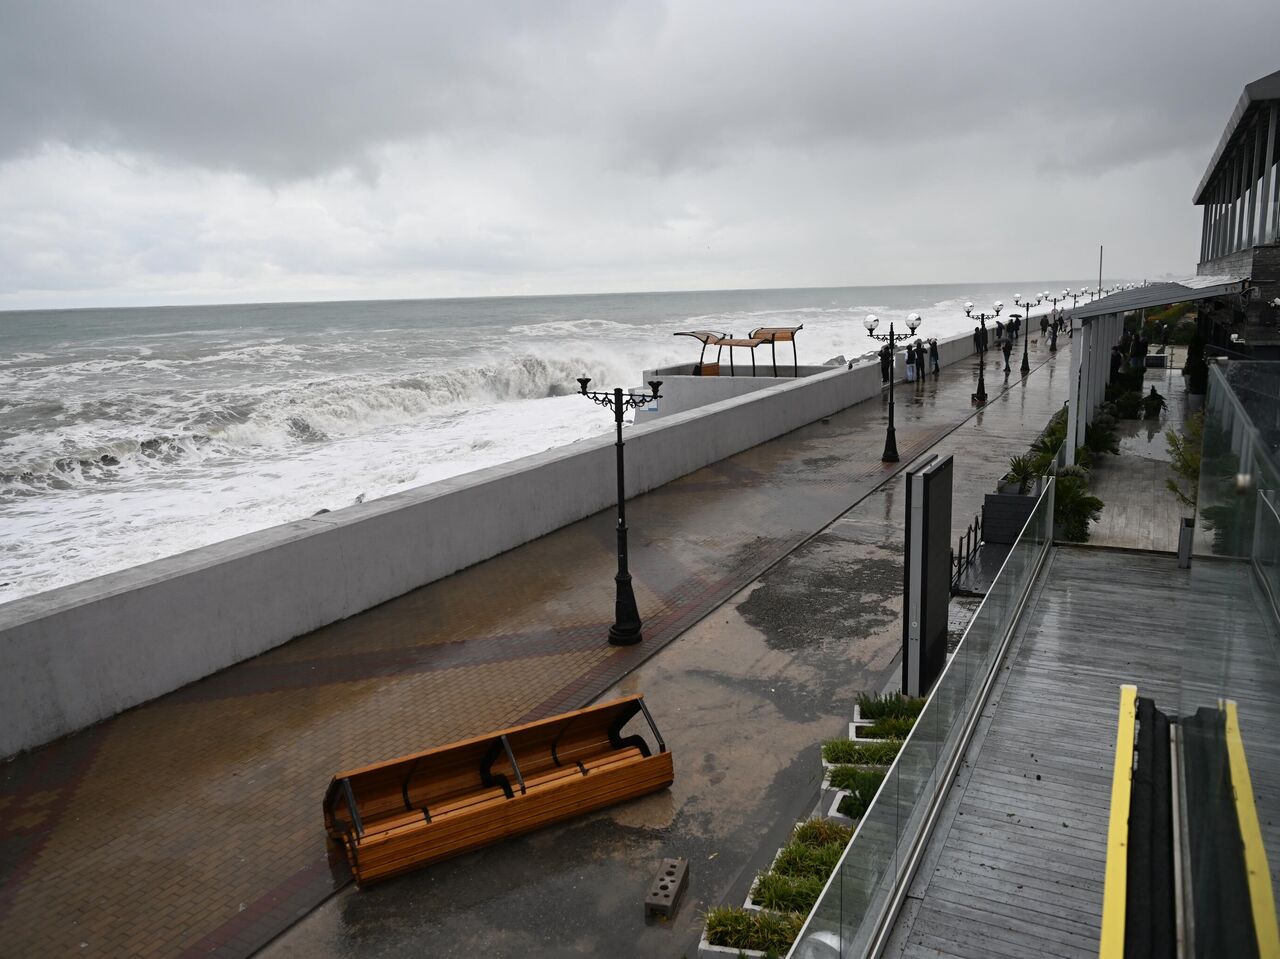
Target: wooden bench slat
{"points": [[444, 801]]}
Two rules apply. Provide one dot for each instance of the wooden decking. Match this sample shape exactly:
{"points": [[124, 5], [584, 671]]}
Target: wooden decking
{"points": [[1015, 866]]}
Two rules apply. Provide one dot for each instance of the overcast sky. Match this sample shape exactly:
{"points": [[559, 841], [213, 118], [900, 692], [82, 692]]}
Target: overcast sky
{"points": [[166, 151]]}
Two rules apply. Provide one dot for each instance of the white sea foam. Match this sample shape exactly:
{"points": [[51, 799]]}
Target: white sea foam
{"points": [[135, 440]]}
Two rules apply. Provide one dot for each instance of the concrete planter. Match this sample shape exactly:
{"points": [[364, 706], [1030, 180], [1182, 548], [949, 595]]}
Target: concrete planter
{"points": [[866, 767], [1004, 515], [708, 951], [833, 812], [749, 903]]}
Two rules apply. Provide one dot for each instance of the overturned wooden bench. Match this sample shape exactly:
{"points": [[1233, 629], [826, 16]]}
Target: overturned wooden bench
{"points": [[395, 816]]}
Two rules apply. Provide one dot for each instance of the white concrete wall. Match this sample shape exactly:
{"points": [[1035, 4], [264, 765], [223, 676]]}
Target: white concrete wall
{"points": [[75, 655], [682, 391]]}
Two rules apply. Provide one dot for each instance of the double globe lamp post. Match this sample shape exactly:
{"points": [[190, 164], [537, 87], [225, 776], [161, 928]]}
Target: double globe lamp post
{"points": [[871, 322], [1026, 319], [625, 630], [980, 397]]}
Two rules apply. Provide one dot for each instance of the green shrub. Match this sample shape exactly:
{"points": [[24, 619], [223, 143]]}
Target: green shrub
{"points": [[1101, 437], [787, 893], [822, 832], [1184, 332], [736, 928], [1053, 436], [855, 805], [848, 753], [853, 779], [1126, 380], [798, 860], [1185, 451], [1023, 470], [890, 727], [1074, 507], [1129, 405], [872, 706]]}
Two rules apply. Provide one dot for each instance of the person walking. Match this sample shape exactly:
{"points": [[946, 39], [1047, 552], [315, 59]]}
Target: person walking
{"points": [[986, 334], [977, 339], [999, 330], [933, 356], [1044, 324], [886, 363], [1116, 362], [1142, 347], [911, 363], [1006, 347], [1053, 339]]}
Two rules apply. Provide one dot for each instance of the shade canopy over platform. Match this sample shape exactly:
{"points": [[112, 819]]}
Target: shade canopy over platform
{"points": [[775, 334], [765, 334], [1162, 294]]}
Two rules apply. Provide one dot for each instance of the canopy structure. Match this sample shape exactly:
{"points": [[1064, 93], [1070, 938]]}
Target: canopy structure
{"points": [[765, 334], [1162, 294], [1100, 325], [775, 334]]}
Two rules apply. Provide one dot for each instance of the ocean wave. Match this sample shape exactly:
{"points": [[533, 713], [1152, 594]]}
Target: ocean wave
{"points": [[298, 416], [586, 327]]}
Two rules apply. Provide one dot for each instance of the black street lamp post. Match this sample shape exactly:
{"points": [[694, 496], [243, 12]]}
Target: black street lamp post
{"points": [[1026, 319], [625, 630], [871, 322], [980, 397]]}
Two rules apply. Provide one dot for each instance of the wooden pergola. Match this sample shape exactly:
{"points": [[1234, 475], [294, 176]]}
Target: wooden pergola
{"points": [[765, 334]]}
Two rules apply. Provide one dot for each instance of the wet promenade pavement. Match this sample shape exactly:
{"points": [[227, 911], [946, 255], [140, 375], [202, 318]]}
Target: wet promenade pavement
{"points": [[191, 826]]}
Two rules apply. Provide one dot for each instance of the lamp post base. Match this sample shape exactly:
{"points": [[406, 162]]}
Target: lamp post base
{"points": [[1026, 364], [626, 628], [890, 454]]}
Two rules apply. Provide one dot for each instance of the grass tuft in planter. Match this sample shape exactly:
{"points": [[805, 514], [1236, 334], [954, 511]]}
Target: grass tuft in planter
{"points": [[872, 706], [890, 727], [855, 780], [736, 928], [822, 832], [846, 752], [799, 861], [855, 804], [787, 893]]}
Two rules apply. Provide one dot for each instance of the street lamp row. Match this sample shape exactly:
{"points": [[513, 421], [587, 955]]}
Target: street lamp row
{"points": [[627, 626]]}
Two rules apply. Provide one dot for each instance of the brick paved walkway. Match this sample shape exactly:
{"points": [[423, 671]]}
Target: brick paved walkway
{"points": [[191, 825]]}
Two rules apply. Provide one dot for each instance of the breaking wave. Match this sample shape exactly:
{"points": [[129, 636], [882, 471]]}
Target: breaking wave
{"points": [[303, 414]]}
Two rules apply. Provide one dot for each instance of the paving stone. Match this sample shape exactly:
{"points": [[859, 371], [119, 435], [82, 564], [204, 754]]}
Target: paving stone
{"points": [[192, 826]]}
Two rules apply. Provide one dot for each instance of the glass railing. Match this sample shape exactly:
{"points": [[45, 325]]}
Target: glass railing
{"points": [[1230, 646], [858, 903]]}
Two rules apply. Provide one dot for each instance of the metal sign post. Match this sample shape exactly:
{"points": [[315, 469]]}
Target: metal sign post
{"points": [[927, 574]]}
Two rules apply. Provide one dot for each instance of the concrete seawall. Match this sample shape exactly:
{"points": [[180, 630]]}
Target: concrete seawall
{"points": [[78, 654]]}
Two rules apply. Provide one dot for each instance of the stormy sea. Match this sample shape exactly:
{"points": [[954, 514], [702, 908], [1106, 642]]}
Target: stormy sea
{"points": [[127, 435]]}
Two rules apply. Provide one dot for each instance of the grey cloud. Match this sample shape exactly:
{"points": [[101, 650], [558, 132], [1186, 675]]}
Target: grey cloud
{"points": [[291, 90]]}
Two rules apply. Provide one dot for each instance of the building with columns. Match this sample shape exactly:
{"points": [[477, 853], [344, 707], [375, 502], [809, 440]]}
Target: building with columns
{"points": [[1237, 282], [1240, 195]]}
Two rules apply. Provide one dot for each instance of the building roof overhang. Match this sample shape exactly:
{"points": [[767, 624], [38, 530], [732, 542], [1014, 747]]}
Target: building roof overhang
{"points": [[1266, 88], [1163, 294]]}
